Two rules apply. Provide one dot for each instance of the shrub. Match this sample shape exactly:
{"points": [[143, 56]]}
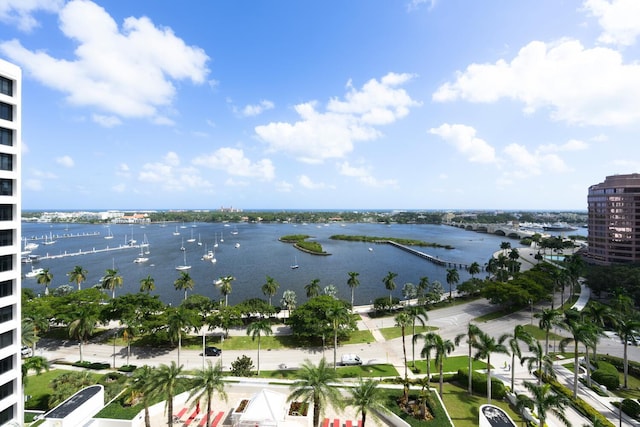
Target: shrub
{"points": [[631, 407], [242, 367], [382, 303], [606, 375], [127, 368], [479, 383], [92, 365]]}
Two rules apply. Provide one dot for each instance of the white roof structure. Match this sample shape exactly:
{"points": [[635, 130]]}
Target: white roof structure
{"points": [[267, 409]]}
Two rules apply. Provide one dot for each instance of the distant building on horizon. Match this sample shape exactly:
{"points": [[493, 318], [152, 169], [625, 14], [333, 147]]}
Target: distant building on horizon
{"points": [[11, 400], [614, 220]]}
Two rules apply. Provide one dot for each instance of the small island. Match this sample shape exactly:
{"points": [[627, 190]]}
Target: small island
{"points": [[300, 242], [374, 239]]}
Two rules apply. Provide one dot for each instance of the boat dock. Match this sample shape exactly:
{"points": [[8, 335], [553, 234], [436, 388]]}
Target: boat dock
{"points": [[428, 257], [46, 237], [89, 252]]}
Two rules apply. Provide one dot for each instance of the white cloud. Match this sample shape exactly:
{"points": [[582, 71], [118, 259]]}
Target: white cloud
{"points": [[234, 162], [65, 161], [172, 158], [619, 19], [126, 72], [571, 145], [284, 187], [318, 135], [257, 109], [463, 139], [20, 12], [106, 121], [123, 170], [363, 174], [307, 183], [32, 184], [578, 85], [119, 188], [523, 163]]}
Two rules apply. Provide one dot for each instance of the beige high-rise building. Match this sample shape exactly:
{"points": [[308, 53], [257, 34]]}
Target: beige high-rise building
{"points": [[614, 220]]}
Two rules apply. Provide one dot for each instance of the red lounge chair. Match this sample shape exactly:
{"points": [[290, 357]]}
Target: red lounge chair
{"points": [[191, 418], [203, 421], [325, 423], [182, 412], [349, 423], [336, 423], [360, 423]]}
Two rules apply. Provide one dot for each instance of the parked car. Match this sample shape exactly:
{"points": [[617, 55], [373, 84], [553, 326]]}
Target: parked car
{"points": [[212, 351], [26, 351], [350, 359]]}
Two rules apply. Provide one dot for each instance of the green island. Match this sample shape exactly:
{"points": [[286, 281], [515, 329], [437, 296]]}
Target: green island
{"points": [[300, 242], [374, 239]]}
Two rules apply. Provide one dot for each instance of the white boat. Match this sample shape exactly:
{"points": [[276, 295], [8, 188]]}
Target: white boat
{"points": [[184, 265], [235, 231], [182, 248], [30, 246], [215, 245], [221, 238], [237, 245], [34, 272], [191, 239], [295, 263], [176, 233], [199, 241], [109, 234], [141, 258], [48, 240]]}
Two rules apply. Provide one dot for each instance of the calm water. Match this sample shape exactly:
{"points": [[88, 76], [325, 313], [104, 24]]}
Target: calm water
{"points": [[259, 254]]}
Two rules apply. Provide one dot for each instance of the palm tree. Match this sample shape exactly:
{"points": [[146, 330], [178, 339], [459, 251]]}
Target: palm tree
{"points": [[472, 333], [338, 316], [163, 381], [580, 332], [129, 332], [257, 329], [548, 319], [540, 361], [83, 326], [599, 315], [179, 319], [313, 383], [627, 327], [474, 269], [367, 398], [427, 348], [519, 334], [442, 348], [33, 363], [505, 246], [423, 285], [39, 323], [78, 275], [270, 288], [403, 320], [111, 281], [288, 300], [313, 288], [225, 288], [417, 314], [205, 383], [140, 387], [452, 279], [147, 284], [487, 345], [45, 277], [28, 336], [353, 283], [544, 400], [184, 283], [390, 284]]}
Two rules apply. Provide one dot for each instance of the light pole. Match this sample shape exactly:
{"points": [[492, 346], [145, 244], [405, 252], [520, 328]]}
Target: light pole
{"points": [[531, 305]]}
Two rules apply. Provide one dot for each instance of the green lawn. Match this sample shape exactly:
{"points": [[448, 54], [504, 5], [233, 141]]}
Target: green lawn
{"points": [[366, 371], [463, 409], [38, 387], [451, 364], [396, 332], [540, 334]]}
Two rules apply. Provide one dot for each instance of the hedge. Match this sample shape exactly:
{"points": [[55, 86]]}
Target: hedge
{"points": [[618, 362], [580, 405], [92, 365], [479, 383], [631, 407], [606, 375]]}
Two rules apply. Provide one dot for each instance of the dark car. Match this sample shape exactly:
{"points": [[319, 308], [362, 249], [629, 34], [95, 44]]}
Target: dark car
{"points": [[212, 351]]}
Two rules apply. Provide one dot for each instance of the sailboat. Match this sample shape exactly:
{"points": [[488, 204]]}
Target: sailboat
{"points": [[49, 240], [221, 238], [235, 231], [182, 248], [295, 263], [191, 239], [176, 233], [141, 258], [199, 241], [109, 234], [184, 265], [215, 245]]}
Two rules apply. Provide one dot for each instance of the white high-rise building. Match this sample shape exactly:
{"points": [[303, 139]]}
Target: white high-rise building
{"points": [[11, 400]]}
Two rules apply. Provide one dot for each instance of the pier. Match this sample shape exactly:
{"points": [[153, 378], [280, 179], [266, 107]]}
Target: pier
{"points": [[89, 252], [428, 257]]}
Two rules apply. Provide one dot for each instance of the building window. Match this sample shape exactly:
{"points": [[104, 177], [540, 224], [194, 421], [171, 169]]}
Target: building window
{"points": [[6, 162], [6, 237], [6, 111], [6, 339], [6, 86], [6, 415], [6, 390], [6, 288], [6, 364], [6, 136], [6, 212], [6, 187], [6, 314], [6, 262]]}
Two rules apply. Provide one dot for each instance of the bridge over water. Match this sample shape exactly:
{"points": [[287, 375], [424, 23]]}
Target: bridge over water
{"points": [[497, 229]]}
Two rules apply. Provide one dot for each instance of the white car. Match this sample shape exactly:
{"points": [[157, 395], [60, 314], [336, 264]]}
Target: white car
{"points": [[26, 351]]}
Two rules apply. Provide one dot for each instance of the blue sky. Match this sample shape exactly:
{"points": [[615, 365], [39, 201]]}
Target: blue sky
{"points": [[376, 104]]}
